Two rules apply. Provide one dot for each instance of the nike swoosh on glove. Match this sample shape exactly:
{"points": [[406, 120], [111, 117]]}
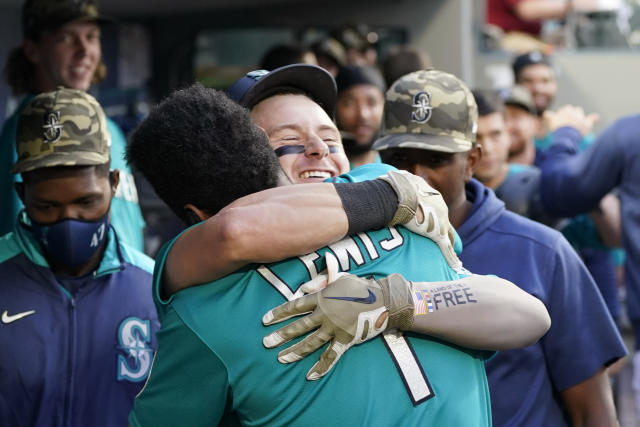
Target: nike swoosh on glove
{"points": [[345, 313]]}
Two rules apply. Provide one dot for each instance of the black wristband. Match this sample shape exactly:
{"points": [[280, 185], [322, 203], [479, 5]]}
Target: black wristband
{"points": [[368, 204]]}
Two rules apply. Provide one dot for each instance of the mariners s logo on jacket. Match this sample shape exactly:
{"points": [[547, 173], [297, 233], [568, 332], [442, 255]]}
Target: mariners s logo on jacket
{"points": [[134, 336]]}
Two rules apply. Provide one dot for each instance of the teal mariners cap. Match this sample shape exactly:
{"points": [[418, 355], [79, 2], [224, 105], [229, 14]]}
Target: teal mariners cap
{"points": [[431, 110], [65, 127]]}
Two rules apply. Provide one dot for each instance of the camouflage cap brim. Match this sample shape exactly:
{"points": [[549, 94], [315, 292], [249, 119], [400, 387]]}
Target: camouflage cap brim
{"points": [[442, 143], [60, 159]]}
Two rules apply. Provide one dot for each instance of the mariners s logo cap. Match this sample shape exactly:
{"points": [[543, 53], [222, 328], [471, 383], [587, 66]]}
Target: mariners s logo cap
{"points": [[430, 110], [65, 127]]}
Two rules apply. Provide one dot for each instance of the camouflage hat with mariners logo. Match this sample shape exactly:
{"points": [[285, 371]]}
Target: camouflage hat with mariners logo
{"points": [[430, 110], [45, 15], [66, 127]]}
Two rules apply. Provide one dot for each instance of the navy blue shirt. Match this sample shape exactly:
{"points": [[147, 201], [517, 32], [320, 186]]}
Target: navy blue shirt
{"points": [[574, 182], [582, 339], [73, 359]]}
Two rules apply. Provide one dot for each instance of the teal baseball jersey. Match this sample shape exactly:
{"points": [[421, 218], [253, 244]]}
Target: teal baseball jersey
{"points": [[211, 366]]}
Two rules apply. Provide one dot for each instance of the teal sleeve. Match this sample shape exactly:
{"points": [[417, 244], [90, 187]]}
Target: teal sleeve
{"points": [[188, 383], [159, 299], [363, 173], [9, 200], [162, 303]]}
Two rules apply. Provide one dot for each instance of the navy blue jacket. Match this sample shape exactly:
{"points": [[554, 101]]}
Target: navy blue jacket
{"points": [[72, 360], [582, 338], [574, 182]]}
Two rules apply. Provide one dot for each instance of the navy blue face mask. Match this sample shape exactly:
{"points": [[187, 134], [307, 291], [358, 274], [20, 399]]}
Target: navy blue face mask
{"points": [[72, 242]]}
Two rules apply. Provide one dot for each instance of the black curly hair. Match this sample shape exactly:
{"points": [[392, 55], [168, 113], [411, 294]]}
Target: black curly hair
{"points": [[199, 147]]}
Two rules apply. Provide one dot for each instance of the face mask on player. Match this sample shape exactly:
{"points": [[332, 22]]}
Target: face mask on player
{"points": [[72, 242]]}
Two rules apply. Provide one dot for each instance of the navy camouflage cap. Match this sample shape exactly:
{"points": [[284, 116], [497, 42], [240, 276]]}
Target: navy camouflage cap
{"points": [[430, 110], [65, 127], [44, 15]]}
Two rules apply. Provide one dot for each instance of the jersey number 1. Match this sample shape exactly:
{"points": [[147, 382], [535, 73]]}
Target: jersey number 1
{"points": [[409, 368], [399, 348]]}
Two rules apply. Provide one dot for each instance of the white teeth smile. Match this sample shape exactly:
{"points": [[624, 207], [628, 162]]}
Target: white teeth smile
{"points": [[315, 174]]}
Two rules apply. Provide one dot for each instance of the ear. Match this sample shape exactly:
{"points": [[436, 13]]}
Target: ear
{"points": [[473, 157], [114, 180], [195, 214], [31, 51], [19, 187]]}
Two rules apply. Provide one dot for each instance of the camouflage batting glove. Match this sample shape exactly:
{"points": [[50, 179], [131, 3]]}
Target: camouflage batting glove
{"points": [[414, 193], [345, 313]]}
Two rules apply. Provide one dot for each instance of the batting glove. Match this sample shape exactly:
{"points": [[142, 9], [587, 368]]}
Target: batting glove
{"points": [[345, 313], [413, 193]]}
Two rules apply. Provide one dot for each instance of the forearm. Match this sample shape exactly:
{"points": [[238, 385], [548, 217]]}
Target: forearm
{"points": [[590, 403], [263, 227], [573, 183], [535, 10], [482, 312], [606, 218]]}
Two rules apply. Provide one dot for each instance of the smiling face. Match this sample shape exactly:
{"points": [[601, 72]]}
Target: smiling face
{"points": [[66, 57], [521, 127], [493, 138], [359, 112], [540, 80], [306, 140]]}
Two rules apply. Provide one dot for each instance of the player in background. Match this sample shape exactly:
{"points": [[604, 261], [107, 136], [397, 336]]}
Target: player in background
{"points": [[566, 371], [77, 312], [61, 47], [359, 111], [576, 182]]}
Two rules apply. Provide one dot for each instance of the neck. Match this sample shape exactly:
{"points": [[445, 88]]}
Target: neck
{"points": [[542, 128], [363, 159], [459, 209]]}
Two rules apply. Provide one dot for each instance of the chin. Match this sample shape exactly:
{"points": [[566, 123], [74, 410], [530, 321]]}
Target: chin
{"points": [[309, 180], [78, 84]]}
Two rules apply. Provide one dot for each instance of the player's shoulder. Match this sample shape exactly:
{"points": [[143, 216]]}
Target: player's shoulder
{"points": [[9, 247], [526, 230], [625, 129]]}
